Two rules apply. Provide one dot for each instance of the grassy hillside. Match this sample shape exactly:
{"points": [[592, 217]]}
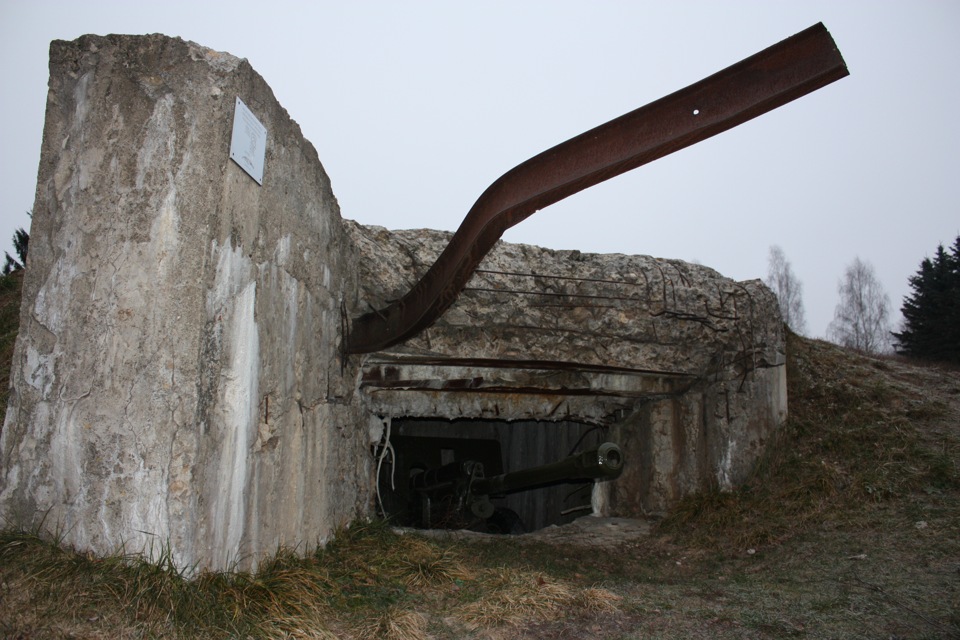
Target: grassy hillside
{"points": [[850, 528]]}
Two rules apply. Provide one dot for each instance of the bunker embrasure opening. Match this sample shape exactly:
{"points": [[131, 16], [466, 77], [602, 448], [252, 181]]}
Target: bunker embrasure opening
{"points": [[492, 476]]}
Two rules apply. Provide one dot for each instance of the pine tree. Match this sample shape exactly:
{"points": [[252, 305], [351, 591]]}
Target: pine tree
{"points": [[931, 327], [21, 240]]}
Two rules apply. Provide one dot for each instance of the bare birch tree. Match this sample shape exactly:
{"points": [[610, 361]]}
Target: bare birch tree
{"points": [[788, 289], [861, 319]]}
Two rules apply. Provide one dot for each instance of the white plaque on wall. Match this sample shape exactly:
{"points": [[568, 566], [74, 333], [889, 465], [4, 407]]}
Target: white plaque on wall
{"points": [[248, 145]]}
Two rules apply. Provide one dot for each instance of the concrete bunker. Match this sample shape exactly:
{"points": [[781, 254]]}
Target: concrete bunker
{"points": [[182, 372], [566, 344]]}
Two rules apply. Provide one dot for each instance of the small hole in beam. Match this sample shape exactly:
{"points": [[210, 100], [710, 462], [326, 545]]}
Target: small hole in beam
{"points": [[696, 112]]}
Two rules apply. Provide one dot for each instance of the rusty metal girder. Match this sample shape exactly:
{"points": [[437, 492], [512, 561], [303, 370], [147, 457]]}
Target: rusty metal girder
{"points": [[766, 80]]}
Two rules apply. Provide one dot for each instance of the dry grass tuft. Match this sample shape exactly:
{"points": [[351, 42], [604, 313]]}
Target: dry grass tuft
{"points": [[295, 628], [395, 624], [425, 565], [598, 600], [513, 597]]}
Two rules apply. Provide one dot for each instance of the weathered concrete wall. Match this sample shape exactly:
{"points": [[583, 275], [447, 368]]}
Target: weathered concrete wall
{"points": [[177, 379], [684, 366], [708, 437], [604, 310]]}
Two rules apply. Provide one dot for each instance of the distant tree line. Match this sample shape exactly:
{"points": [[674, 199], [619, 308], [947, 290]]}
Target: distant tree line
{"points": [[861, 320], [931, 313]]}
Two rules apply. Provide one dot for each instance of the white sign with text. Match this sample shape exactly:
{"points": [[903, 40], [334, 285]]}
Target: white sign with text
{"points": [[248, 145]]}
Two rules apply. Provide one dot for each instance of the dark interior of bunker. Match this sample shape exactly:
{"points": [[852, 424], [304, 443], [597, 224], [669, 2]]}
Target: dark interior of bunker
{"points": [[489, 475]]}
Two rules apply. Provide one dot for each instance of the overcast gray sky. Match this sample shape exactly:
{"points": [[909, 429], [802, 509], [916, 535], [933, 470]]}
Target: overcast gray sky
{"points": [[415, 107]]}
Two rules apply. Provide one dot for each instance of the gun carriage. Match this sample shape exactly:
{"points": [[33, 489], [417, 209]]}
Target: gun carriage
{"points": [[456, 483]]}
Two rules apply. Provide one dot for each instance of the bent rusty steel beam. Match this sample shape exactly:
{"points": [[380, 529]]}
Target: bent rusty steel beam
{"points": [[766, 80]]}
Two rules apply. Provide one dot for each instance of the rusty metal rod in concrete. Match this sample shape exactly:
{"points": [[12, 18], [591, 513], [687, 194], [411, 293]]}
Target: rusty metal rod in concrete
{"points": [[766, 80]]}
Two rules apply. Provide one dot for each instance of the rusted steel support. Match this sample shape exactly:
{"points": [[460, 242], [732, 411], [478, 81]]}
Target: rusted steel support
{"points": [[771, 78]]}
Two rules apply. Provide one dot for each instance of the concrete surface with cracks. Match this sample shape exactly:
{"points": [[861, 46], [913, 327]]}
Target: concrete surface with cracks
{"points": [[682, 366], [178, 381]]}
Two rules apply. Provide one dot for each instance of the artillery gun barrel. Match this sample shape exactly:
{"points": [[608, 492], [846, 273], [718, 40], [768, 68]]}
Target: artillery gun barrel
{"points": [[604, 461]]}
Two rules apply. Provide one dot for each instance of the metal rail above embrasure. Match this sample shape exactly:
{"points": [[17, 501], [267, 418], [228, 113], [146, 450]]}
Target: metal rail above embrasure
{"points": [[766, 80]]}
